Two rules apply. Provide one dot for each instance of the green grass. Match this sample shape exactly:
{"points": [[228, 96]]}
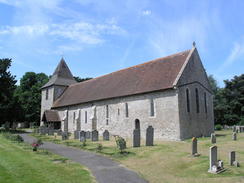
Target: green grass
{"points": [[170, 162], [19, 164]]}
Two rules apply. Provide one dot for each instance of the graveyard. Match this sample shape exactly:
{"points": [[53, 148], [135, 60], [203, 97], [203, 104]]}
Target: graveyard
{"points": [[20, 164], [170, 161]]}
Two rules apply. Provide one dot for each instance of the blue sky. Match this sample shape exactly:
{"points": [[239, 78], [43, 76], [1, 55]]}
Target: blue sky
{"points": [[102, 36]]}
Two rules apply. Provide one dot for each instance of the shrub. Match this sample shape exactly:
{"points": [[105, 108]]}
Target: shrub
{"points": [[99, 147], [12, 137], [121, 143], [218, 127]]}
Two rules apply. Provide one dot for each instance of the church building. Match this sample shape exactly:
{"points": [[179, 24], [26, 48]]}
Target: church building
{"points": [[172, 94]]}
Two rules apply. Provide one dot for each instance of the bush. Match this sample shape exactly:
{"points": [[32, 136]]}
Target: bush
{"points": [[99, 147], [218, 127], [121, 143], [12, 137]]}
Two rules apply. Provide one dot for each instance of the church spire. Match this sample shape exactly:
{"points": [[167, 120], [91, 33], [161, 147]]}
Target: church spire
{"points": [[61, 76]]}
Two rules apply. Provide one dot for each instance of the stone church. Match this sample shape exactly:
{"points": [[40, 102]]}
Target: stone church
{"points": [[172, 94]]}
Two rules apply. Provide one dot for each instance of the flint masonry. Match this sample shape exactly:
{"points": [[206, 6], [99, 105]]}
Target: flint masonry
{"points": [[172, 94]]}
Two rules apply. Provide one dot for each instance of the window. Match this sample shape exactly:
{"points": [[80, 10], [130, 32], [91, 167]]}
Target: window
{"points": [[187, 100], [205, 102], [137, 124], [151, 107], [197, 100], [126, 110], [46, 94], [85, 116], [74, 117], [107, 112], [118, 112], [106, 121]]}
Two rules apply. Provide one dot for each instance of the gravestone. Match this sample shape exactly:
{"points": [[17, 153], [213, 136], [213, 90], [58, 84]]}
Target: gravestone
{"points": [[232, 157], [234, 136], [234, 128], [59, 132], [76, 134], [42, 130], [82, 136], [94, 135], [194, 147], [65, 136], [136, 138], [215, 165], [149, 136], [213, 138], [106, 135], [88, 134], [50, 131]]}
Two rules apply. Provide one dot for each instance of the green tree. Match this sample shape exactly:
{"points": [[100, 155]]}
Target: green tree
{"points": [[29, 95], [78, 79], [7, 87]]}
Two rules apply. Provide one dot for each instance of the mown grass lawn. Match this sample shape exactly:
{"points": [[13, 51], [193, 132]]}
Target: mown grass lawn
{"points": [[19, 164], [171, 162]]}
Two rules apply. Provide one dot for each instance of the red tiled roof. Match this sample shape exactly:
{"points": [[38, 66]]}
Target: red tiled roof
{"points": [[158, 74]]}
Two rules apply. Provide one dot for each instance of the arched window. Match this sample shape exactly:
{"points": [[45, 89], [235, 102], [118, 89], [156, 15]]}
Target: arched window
{"points": [[187, 100], [85, 116], [107, 112], [197, 100], [46, 94], [137, 124], [151, 107], [205, 102], [126, 110]]}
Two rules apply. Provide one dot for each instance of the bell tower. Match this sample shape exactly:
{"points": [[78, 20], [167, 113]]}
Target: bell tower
{"points": [[54, 88]]}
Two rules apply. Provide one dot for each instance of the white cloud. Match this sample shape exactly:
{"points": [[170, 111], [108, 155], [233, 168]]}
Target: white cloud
{"points": [[82, 32], [236, 53], [146, 12]]}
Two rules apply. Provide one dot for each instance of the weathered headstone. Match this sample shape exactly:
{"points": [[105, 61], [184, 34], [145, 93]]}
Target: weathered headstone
{"points": [[94, 135], [236, 164], [82, 136], [194, 147], [88, 134], [213, 138], [149, 136], [234, 128], [213, 159], [234, 136], [106, 135], [215, 165], [136, 138], [232, 157], [76, 134], [50, 131], [59, 132], [65, 136]]}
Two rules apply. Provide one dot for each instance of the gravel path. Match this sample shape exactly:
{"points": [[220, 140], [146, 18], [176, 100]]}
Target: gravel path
{"points": [[104, 169]]}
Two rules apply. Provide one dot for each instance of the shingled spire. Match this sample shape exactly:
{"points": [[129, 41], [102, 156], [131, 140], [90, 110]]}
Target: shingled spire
{"points": [[61, 76]]}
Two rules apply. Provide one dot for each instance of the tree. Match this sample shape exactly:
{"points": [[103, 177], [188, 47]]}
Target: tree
{"points": [[229, 101], [7, 83], [78, 79], [29, 95]]}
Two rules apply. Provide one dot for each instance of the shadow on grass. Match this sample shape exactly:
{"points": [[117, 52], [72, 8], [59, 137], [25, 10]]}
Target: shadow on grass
{"points": [[14, 131], [221, 135]]}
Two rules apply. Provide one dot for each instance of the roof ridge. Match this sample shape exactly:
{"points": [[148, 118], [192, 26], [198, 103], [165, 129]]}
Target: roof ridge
{"points": [[131, 67]]}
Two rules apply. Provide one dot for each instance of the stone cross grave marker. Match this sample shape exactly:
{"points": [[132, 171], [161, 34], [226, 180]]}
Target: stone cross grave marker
{"points": [[149, 136], [213, 138], [106, 135], [94, 135], [136, 138]]}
